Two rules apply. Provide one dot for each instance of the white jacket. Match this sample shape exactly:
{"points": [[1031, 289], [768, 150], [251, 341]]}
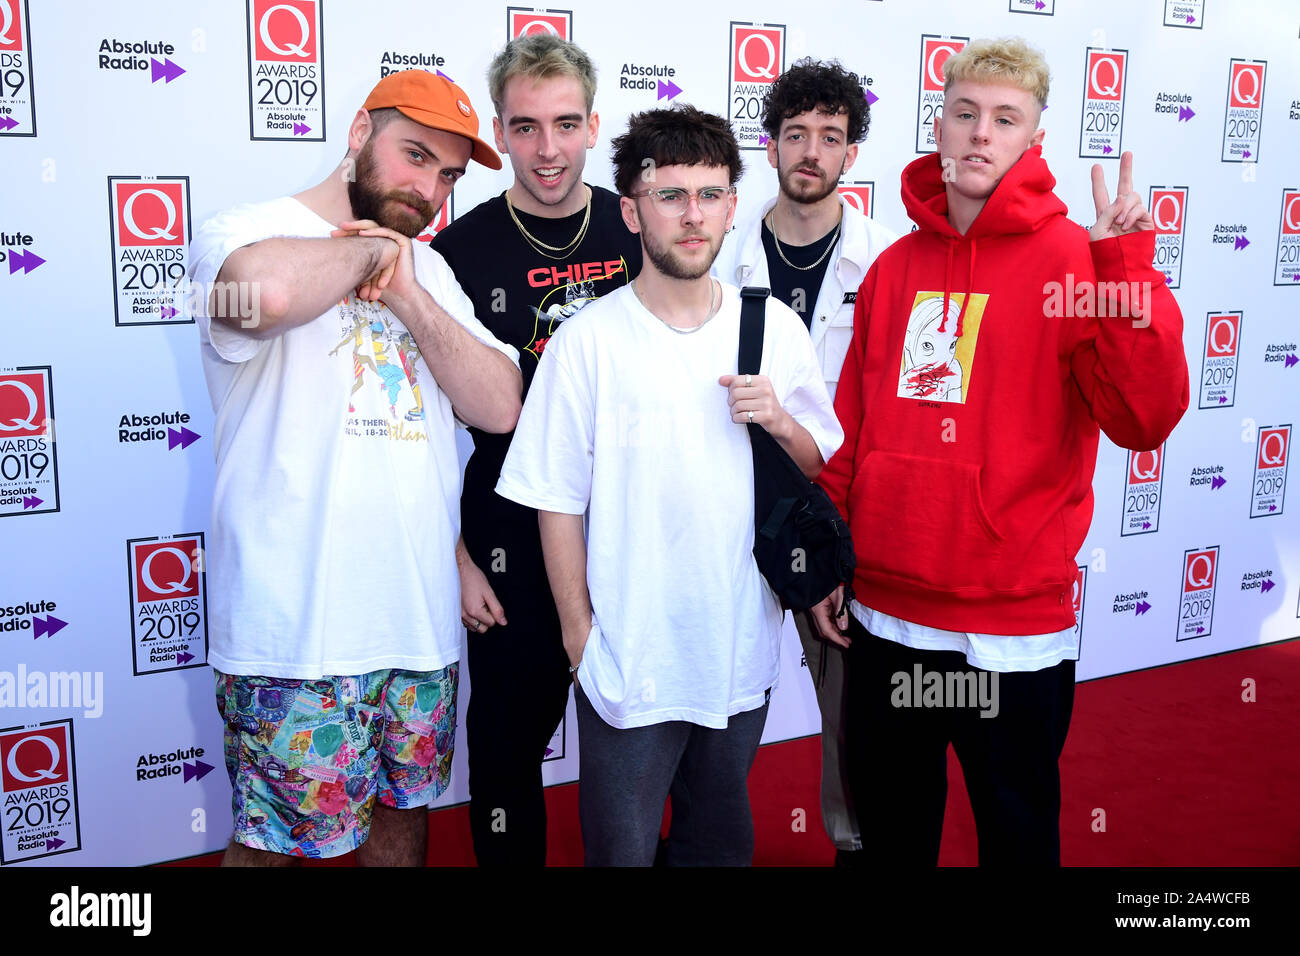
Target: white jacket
{"points": [[742, 262]]}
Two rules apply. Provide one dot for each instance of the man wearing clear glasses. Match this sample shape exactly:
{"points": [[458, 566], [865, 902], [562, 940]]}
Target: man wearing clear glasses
{"points": [[812, 249], [631, 447]]}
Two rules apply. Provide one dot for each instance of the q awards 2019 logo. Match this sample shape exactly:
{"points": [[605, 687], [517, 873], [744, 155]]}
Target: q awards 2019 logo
{"points": [[1243, 117], [1287, 271], [527, 22], [149, 229], [757, 59], [38, 780], [1196, 606], [29, 467], [286, 70], [17, 100], [1101, 128], [1268, 492], [446, 215], [1142, 487], [1168, 205], [935, 51], [1219, 364], [169, 603], [860, 195]]}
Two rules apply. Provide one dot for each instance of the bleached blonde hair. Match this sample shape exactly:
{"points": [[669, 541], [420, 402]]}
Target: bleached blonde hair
{"points": [[1008, 60]]}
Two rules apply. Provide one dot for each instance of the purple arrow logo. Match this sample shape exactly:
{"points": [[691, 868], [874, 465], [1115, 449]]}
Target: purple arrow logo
{"points": [[25, 260], [1142, 607], [53, 843], [197, 771], [1146, 525], [668, 88], [163, 71], [871, 97], [1217, 482], [1291, 359], [1200, 630], [1185, 113], [1272, 507], [1169, 280], [8, 123], [762, 139], [301, 129], [1107, 150], [549, 751], [1266, 586], [1040, 4], [168, 312], [1241, 243], [1245, 154], [1190, 18], [1223, 399], [185, 438], [31, 501], [444, 76], [1296, 277], [184, 658], [46, 626]]}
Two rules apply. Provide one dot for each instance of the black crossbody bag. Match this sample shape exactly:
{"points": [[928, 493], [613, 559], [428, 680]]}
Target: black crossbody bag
{"points": [[801, 543]]}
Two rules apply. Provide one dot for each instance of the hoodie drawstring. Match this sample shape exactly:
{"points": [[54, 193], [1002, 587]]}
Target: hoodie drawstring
{"points": [[947, 286]]}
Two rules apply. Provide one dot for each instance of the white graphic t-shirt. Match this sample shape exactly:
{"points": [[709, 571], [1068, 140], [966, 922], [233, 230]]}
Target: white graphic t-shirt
{"points": [[336, 502]]}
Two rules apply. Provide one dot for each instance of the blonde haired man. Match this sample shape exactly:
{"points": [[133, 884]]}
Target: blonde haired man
{"points": [[969, 501]]}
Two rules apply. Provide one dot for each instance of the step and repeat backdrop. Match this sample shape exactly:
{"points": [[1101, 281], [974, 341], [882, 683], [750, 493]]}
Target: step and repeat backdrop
{"points": [[123, 126]]}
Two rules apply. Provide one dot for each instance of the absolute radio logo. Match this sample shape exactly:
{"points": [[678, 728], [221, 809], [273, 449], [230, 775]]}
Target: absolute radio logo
{"points": [[1196, 605], [860, 195], [38, 790], [1243, 116], [1187, 14], [1078, 594], [34, 617], [935, 51], [1101, 127], [395, 61], [169, 603], [1287, 270], [286, 70], [1168, 205], [1268, 490], [17, 99], [446, 216], [149, 232], [1143, 485], [184, 763], [756, 59], [529, 21], [1219, 360], [1043, 8], [29, 464]]}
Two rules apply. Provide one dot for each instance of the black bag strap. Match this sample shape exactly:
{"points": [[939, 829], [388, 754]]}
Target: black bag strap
{"points": [[753, 309]]}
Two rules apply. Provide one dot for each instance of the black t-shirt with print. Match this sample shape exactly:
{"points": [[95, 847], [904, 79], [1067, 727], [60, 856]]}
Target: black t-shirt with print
{"points": [[522, 295], [786, 280]]}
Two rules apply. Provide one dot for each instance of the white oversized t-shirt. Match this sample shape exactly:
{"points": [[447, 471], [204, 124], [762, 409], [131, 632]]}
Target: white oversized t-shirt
{"points": [[336, 502], [626, 423]]}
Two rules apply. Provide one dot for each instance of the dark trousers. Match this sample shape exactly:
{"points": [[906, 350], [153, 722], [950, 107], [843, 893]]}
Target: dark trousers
{"points": [[626, 775], [898, 764], [519, 689]]}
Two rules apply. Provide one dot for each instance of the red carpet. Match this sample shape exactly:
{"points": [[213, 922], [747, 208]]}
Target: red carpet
{"points": [[1179, 768]]}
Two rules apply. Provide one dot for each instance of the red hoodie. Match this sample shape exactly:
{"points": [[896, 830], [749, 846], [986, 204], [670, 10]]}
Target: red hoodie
{"points": [[971, 399]]}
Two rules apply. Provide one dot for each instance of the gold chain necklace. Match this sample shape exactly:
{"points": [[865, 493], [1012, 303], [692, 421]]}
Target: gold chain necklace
{"points": [[713, 291], [541, 247], [776, 240]]}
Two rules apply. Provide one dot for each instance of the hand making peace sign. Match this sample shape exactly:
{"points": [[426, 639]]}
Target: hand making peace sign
{"points": [[1126, 214]]}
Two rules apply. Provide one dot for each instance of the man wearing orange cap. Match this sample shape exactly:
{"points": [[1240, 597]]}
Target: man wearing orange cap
{"points": [[333, 614]]}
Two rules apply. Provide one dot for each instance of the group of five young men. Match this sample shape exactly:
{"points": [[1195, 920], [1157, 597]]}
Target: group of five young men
{"points": [[603, 535]]}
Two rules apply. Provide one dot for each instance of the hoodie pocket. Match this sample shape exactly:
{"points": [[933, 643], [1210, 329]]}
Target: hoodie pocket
{"points": [[924, 519]]}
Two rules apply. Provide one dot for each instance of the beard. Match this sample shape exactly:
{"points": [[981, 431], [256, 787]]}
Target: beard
{"points": [[806, 191], [670, 263], [370, 200]]}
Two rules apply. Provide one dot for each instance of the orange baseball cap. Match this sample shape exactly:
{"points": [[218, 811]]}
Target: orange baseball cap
{"points": [[435, 102]]}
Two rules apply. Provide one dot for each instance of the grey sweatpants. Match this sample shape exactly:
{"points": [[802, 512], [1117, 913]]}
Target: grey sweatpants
{"points": [[626, 775]]}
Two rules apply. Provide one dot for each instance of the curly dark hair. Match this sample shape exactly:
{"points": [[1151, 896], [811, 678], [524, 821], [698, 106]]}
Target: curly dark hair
{"points": [[814, 85], [681, 136]]}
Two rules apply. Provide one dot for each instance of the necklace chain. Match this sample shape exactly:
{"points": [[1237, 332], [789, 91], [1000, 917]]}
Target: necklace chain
{"points": [[713, 289], [825, 252], [542, 247]]}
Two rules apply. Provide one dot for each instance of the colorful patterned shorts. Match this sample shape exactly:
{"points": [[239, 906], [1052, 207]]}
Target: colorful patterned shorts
{"points": [[307, 758]]}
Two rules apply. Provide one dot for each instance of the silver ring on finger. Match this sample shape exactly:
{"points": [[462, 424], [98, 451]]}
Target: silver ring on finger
{"points": [[749, 380], [751, 418]]}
